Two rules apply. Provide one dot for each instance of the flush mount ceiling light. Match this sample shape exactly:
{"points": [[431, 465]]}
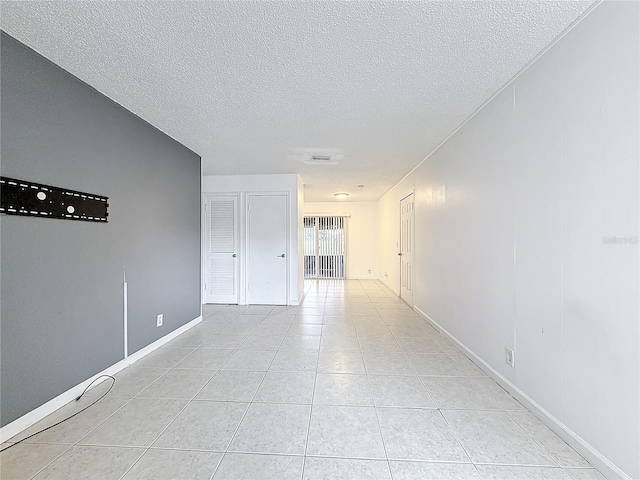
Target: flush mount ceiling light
{"points": [[341, 196]]}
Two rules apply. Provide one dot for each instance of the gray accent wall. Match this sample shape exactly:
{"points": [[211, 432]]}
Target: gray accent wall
{"points": [[62, 281]]}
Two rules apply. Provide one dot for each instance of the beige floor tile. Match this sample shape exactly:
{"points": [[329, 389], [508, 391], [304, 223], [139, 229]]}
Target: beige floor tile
{"points": [[236, 466], [82, 462], [159, 464], [24, 460], [203, 425]]}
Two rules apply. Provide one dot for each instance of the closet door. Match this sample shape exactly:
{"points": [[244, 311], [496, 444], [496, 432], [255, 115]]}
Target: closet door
{"points": [[222, 249], [267, 238]]}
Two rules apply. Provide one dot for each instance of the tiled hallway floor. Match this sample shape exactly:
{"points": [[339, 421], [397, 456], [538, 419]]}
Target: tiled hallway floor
{"points": [[350, 385]]}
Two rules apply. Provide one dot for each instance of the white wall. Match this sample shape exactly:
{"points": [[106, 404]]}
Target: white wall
{"points": [[514, 216], [362, 230], [245, 184], [300, 205]]}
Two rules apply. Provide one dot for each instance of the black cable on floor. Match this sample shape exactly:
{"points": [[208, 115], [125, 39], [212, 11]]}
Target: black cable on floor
{"points": [[70, 416]]}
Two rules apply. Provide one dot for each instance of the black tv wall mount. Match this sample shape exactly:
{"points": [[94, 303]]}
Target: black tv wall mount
{"points": [[21, 197]]}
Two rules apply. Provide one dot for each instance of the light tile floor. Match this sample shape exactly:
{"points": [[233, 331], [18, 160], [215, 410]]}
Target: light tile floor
{"points": [[350, 385]]}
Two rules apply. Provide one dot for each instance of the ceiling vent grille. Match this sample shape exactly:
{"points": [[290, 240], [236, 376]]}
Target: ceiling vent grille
{"points": [[320, 160]]}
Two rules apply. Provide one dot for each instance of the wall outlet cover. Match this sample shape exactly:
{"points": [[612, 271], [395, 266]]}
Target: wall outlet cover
{"points": [[509, 357], [159, 320]]}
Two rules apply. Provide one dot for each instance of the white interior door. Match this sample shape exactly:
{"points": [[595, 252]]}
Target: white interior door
{"points": [[222, 247], [407, 217], [267, 262]]}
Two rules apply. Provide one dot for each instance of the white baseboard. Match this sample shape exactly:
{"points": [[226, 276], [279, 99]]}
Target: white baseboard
{"points": [[593, 456], [389, 287], [12, 429]]}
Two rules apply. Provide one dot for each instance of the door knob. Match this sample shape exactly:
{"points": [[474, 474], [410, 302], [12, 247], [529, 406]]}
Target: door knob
{"points": [[282, 256], [234, 255]]}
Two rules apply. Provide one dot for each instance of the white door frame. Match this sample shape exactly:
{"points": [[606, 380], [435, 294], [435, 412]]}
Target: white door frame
{"points": [[206, 236], [413, 250], [247, 219]]}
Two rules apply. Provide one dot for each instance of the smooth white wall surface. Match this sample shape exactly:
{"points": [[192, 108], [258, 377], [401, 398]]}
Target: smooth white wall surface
{"points": [[527, 224], [244, 184], [362, 234]]}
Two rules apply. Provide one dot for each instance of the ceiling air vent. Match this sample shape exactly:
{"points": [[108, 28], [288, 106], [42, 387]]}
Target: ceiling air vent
{"points": [[320, 158], [316, 155]]}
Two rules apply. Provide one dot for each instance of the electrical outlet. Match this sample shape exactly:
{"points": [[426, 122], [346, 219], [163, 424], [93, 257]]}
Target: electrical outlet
{"points": [[509, 357], [159, 320]]}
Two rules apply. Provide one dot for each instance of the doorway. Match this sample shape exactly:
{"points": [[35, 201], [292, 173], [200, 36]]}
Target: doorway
{"points": [[267, 248], [324, 247], [221, 249], [407, 219]]}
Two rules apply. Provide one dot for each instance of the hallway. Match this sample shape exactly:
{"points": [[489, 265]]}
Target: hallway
{"points": [[350, 385]]}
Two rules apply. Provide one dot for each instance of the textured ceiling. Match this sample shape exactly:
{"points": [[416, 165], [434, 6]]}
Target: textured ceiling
{"points": [[255, 87]]}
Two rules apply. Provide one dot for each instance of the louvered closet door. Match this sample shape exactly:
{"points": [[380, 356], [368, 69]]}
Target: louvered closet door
{"points": [[221, 281]]}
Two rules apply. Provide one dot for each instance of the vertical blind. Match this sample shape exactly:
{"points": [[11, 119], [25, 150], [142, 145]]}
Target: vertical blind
{"points": [[324, 247]]}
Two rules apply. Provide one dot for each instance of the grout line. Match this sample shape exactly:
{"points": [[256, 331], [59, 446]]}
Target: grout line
{"points": [[189, 402], [76, 444], [438, 409], [313, 396], [540, 446], [375, 408], [248, 405], [51, 462], [455, 435]]}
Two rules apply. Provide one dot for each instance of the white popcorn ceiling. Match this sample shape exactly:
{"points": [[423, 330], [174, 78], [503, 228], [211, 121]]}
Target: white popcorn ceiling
{"points": [[253, 87]]}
